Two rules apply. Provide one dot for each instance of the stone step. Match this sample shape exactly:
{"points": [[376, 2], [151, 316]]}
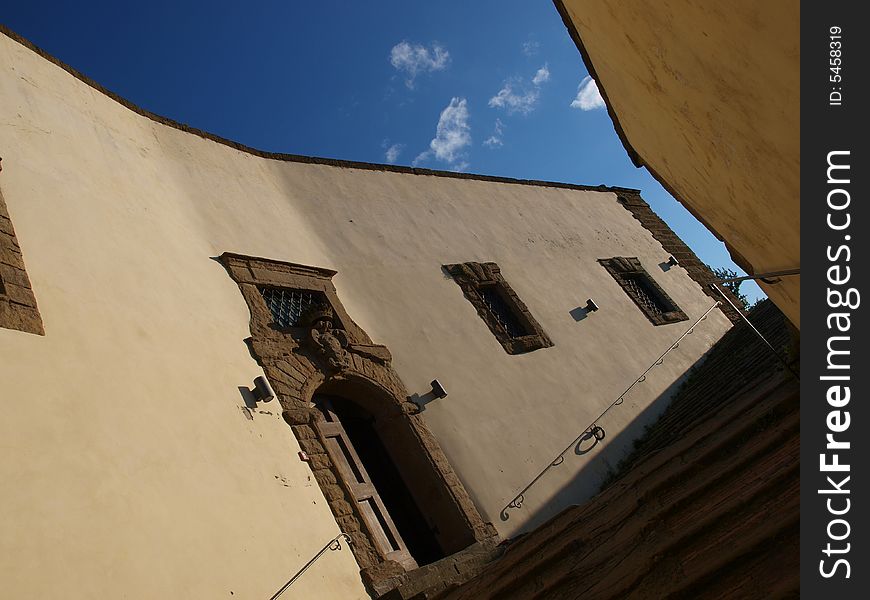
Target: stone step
{"points": [[432, 579]]}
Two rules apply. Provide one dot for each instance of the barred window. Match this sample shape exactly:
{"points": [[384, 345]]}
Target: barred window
{"points": [[498, 305], [501, 311], [648, 295], [288, 305]]}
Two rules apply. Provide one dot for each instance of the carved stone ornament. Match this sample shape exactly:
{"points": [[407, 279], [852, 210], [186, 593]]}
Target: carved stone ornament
{"points": [[329, 351], [328, 341]]}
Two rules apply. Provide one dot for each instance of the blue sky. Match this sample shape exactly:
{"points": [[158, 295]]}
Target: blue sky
{"points": [[486, 86]]}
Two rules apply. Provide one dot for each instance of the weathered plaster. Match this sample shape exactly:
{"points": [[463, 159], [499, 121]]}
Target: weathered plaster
{"points": [[137, 468], [707, 97]]}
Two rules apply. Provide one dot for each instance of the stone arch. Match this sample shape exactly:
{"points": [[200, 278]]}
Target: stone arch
{"points": [[339, 357], [378, 398]]}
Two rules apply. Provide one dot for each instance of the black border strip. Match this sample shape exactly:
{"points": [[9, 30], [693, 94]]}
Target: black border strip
{"points": [[835, 515]]}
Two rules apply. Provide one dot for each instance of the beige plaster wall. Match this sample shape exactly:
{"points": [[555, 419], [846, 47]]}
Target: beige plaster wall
{"points": [[708, 95], [132, 469], [129, 468]]}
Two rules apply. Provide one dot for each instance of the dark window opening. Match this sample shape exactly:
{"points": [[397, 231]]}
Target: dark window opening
{"points": [[501, 311], [648, 295], [288, 305], [403, 510], [507, 317]]}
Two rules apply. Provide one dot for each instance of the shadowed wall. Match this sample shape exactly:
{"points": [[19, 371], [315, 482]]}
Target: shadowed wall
{"points": [[706, 95]]}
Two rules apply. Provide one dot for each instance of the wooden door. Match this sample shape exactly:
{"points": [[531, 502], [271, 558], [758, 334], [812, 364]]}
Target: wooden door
{"points": [[380, 525]]}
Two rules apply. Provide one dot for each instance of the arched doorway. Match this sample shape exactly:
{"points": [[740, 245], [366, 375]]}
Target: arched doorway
{"points": [[304, 360], [398, 527]]}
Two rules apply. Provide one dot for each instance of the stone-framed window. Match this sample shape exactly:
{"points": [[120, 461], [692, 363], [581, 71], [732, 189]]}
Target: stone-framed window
{"points": [[648, 295], [289, 306], [18, 309], [498, 305]]}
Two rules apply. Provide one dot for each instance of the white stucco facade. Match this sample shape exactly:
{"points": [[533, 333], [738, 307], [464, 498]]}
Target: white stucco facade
{"points": [[131, 468]]}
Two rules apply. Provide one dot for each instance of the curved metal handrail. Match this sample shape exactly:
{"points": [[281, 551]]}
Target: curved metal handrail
{"points": [[593, 428], [333, 545]]}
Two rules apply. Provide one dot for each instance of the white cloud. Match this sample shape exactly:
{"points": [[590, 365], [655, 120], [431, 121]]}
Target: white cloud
{"points": [[421, 157], [588, 96], [392, 153], [453, 133], [516, 96], [495, 140], [531, 48], [542, 75], [521, 101], [413, 59], [452, 136]]}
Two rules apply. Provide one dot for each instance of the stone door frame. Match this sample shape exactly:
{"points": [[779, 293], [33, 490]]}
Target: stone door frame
{"points": [[298, 367]]}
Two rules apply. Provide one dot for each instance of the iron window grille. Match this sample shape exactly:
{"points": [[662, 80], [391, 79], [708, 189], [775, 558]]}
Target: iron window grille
{"points": [[648, 295], [498, 305], [501, 311], [289, 305]]}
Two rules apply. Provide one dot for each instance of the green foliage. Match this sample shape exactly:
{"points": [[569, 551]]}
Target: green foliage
{"points": [[734, 286]]}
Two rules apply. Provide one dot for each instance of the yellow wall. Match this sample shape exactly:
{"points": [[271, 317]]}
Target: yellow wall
{"points": [[708, 95], [130, 468]]}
